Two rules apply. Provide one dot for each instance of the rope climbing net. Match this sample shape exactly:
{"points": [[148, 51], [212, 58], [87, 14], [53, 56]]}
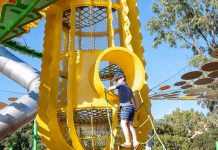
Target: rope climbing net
{"points": [[109, 71]]}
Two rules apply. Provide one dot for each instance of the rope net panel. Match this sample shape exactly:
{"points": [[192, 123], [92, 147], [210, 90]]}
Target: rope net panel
{"points": [[92, 28], [92, 127], [62, 122], [107, 70]]}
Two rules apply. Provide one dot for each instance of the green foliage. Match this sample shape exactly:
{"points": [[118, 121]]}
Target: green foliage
{"points": [[21, 140], [205, 142], [178, 131], [198, 60], [210, 105], [185, 23], [172, 142]]}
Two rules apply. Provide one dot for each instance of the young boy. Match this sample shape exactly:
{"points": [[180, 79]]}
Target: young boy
{"points": [[127, 109]]}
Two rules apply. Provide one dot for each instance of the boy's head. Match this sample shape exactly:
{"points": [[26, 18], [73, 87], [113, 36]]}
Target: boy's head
{"points": [[119, 77]]}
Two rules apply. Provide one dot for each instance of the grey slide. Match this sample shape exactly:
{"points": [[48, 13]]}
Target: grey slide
{"points": [[23, 110]]}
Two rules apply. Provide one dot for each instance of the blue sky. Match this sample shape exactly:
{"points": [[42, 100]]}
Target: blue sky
{"points": [[162, 63]]}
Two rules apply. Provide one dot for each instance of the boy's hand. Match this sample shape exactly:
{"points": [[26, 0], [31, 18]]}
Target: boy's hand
{"points": [[111, 88]]}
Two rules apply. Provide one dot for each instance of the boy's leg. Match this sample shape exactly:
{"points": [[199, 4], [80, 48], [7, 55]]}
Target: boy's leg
{"points": [[135, 141], [124, 125]]}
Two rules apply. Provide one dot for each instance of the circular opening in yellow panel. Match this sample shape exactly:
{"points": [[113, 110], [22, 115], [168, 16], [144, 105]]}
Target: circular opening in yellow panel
{"points": [[127, 61], [107, 70]]}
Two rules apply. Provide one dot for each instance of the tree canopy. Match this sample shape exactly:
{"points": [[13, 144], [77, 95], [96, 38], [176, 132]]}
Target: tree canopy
{"points": [[187, 130], [185, 23], [22, 139]]}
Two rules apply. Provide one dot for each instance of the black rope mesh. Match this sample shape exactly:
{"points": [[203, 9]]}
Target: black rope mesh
{"points": [[97, 135], [91, 27], [86, 16], [62, 122], [83, 116], [108, 72]]}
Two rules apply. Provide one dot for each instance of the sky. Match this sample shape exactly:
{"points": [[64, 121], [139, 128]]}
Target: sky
{"points": [[161, 63]]}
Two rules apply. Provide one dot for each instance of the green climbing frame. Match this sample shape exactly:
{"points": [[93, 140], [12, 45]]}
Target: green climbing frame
{"points": [[16, 46], [15, 16]]}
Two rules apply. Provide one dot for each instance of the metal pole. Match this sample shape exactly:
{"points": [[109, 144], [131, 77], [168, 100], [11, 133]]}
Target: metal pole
{"points": [[11, 147], [35, 136]]}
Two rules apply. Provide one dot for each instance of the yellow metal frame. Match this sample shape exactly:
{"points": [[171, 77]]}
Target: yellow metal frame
{"points": [[47, 114], [82, 85]]}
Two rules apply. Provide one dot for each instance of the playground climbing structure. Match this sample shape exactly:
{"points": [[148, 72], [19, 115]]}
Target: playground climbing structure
{"points": [[86, 42]]}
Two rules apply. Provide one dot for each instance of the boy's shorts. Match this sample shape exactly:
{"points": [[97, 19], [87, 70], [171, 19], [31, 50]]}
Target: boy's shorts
{"points": [[127, 112]]}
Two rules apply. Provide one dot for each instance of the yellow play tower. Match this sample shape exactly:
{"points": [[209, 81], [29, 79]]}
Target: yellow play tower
{"points": [[86, 42]]}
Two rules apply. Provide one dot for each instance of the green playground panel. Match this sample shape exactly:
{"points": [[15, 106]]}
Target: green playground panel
{"points": [[15, 16]]}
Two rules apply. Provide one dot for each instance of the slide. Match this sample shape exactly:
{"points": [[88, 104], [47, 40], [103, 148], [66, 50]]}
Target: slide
{"points": [[23, 110]]}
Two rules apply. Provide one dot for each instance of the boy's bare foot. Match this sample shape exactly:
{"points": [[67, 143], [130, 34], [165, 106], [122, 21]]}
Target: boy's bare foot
{"points": [[126, 145], [136, 145]]}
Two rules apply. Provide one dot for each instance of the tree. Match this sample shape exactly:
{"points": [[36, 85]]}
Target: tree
{"points": [[205, 142], [185, 130], [187, 22], [190, 24], [22, 139]]}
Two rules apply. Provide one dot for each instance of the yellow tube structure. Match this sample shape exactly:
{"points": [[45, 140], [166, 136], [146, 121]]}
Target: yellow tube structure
{"points": [[129, 64], [86, 42]]}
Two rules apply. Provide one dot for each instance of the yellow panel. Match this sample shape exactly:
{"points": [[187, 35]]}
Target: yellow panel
{"points": [[125, 24], [127, 61], [47, 122], [45, 88], [110, 25]]}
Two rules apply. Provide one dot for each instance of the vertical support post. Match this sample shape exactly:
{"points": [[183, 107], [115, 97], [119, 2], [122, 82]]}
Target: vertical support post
{"points": [[72, 96], [11, 147], [35, 136], [216, 145], [110, 29], [125, 23]]}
